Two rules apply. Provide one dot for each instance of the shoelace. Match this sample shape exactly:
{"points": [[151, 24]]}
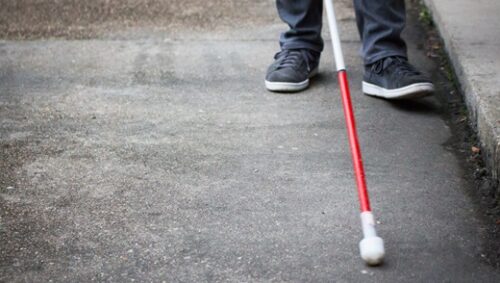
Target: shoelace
{"points": [[402, 67], [291, 58]]}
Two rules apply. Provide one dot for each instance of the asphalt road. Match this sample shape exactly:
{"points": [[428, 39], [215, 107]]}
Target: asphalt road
{"points": [[150, 151]]}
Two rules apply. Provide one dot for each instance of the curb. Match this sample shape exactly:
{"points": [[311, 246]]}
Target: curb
{"points": [[469, 31]]}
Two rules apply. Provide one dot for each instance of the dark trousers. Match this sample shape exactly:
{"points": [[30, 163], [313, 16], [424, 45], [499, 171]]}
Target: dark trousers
{"points": [[380, 23]]}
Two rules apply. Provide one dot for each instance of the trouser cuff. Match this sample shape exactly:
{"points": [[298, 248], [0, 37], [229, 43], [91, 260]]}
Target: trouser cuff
{"points": [[302, 45], [374, 58]]}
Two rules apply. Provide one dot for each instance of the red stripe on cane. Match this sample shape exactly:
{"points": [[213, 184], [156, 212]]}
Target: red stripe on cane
{"points": [[353, 142]]}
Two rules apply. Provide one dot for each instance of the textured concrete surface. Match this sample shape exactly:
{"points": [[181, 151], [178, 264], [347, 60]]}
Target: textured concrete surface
{"points": [[471, 35], [149, 156]]}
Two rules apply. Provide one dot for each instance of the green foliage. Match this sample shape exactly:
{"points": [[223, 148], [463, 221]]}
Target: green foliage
{"points": [[425, 15]]}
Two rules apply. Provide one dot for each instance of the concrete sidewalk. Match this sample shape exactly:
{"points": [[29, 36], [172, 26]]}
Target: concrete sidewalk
{"points": [[153, 153], [471, 33]]}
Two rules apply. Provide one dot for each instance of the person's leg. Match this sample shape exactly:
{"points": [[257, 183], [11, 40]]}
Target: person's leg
{"points": [[304, 17], [388, 73], [301, 46], [380, 23]]}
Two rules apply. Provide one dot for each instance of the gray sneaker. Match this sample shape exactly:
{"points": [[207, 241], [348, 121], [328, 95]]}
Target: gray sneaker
{"points": [[395, 78], [292, 70]]}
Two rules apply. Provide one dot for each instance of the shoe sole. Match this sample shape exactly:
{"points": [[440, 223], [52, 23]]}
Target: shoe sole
{"points": [[411, 91], [290, 87]]}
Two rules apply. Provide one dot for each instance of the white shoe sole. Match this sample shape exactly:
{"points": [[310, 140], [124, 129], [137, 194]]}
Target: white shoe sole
{"points": [[411, 91], [290, 87]]}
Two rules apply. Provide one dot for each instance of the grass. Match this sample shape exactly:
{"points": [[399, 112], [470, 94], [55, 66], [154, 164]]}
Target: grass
{"points": [[425, 15]]}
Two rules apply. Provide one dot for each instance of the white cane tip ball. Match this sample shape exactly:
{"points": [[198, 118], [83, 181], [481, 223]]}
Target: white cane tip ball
{"points": [[372, 250]]}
